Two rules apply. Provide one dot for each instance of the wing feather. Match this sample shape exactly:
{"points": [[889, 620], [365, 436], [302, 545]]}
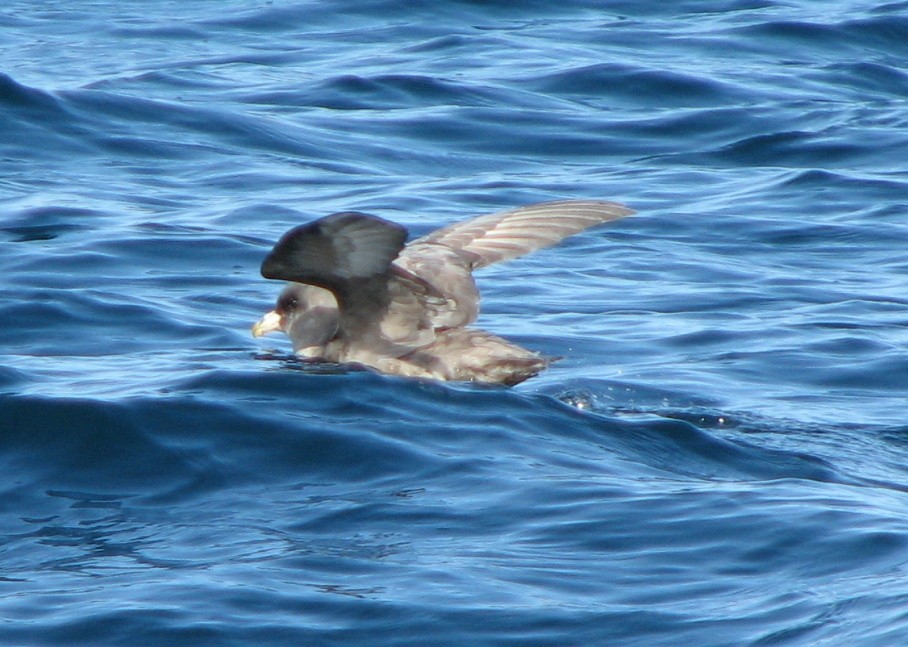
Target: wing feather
{"points": [[509, 234], [348, 253]]}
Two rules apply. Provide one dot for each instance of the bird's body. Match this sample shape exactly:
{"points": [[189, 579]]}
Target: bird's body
{"points": [[358, 295]]}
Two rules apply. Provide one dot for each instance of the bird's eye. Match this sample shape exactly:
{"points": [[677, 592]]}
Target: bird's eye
{"points": [[287, 304]]}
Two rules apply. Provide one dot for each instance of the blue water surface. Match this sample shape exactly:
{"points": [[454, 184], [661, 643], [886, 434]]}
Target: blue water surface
{"points": [[718, 459]]}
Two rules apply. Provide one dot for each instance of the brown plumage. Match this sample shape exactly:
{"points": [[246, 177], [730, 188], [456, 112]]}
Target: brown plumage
{"points": [[358, 295]]}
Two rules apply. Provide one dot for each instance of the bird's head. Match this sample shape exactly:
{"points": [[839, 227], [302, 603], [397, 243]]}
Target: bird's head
{"points": [[305, 313]]}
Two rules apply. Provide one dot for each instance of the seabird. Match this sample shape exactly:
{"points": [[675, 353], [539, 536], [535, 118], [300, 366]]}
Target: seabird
{"points": [[358, 294]]}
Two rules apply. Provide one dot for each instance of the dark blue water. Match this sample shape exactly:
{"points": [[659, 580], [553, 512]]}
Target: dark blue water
{"points": [[721, 458]]}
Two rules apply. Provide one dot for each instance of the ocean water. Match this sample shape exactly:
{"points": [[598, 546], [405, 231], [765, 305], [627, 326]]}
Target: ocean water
{"points": [[720, 458]]}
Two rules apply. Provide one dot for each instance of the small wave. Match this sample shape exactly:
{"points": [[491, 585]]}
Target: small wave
{"points": [[16, 95], [663, 87]]}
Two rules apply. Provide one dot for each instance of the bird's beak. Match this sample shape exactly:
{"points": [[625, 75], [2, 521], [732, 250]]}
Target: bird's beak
{"points": [[271, 322]]}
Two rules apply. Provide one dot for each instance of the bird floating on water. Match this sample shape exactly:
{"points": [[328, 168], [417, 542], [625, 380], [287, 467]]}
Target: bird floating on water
{"points": [[358, 294]]}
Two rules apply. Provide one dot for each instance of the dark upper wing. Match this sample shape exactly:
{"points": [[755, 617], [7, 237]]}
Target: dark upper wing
{"points": [[509, 234], [351, 255], [347, 253], [336, 252]]}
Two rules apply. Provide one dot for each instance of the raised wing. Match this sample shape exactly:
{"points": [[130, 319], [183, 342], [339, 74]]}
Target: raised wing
{"points": [[509, 234], [349, 254]]}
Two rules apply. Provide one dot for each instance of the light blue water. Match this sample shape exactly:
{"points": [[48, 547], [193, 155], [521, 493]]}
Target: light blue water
{"points": [[720, 457]]}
